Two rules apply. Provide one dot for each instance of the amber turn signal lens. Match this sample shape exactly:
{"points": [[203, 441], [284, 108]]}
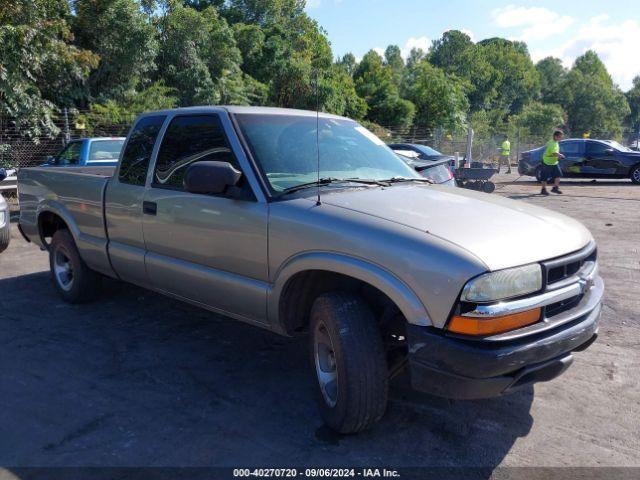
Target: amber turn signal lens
{"points": [[493, 325]]}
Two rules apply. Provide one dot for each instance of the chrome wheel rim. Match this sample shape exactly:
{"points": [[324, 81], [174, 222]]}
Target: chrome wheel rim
{"points": [[326, 368], [636, 174], [63, 270]]}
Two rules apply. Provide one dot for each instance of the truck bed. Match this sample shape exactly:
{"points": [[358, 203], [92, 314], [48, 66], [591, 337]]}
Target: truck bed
{"points": [[76, 195]]}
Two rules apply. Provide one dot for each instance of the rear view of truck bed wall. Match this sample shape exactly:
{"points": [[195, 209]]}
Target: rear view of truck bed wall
{"points": [[76, 195]]}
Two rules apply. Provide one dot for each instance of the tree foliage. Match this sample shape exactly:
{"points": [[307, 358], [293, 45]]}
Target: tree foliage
{"points": [[115, 58], [594, 104], [536, 121]]}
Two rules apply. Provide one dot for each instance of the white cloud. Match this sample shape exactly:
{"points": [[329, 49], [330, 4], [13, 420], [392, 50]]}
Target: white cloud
{"points": [[536, 22], [469, 33], [379, 51], [415, 42], [615, 43]]}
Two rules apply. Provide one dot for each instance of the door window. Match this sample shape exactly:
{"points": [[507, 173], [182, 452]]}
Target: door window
{"points": [[190, 139], [597, 149], [137, 152], [571, 149], [71, 154]]}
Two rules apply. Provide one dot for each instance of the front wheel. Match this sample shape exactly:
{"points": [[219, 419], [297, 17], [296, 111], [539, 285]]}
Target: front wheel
{"points": [[635, 175], [74, 281], [349, 360]]}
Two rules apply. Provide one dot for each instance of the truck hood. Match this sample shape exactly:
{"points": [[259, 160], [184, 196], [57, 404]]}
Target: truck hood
{"points": [[502, 233]]}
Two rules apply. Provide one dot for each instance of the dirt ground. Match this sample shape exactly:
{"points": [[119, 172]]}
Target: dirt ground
{"points": [[137, 379]]}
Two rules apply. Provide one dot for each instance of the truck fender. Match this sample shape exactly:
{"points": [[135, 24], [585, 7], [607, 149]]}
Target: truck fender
{"points": [[57, 208], [385, 281]]}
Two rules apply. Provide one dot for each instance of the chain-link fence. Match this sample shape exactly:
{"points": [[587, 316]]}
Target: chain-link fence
{"points": [[17, 149], [486, 148]]}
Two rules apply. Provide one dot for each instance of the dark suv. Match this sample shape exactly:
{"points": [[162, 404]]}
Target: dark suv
{"points": [[587, 159]]}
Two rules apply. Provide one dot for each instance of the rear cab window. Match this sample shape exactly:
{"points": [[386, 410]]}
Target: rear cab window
{"points": [[138, 150], [105, 150]]}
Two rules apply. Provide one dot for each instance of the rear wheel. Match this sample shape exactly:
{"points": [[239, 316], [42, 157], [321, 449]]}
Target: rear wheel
{"points": [[488, 187], [349, 360], [539, 173], [635, 175], [74, 281]]}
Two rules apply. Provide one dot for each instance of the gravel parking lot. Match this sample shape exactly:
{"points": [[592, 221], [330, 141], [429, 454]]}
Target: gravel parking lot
{"points": [[137, 379]]}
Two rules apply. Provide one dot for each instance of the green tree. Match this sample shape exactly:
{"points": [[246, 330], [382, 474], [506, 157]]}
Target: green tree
{"points": [[633, 98], [119, 33], [375, 83], [537, 121], [199, 57], [456, 54], [263, 12], [440, 99], [39, 68], [552, 76], [101, 117], [393, 59], [348, 63], [512, 76], [592, 101]]}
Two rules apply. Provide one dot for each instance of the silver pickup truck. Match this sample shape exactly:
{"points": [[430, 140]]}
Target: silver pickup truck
{"points": [[308, 224]]}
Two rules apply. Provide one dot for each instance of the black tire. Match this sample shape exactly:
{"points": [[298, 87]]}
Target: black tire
{"points": [[359, 361], [538, 173], [635, 175], [84, 284], [488, 187], [5, 236]]}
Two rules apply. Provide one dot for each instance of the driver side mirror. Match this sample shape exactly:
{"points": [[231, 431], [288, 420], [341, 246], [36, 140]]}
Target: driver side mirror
{"points": [[210, 177], [610, 151]]}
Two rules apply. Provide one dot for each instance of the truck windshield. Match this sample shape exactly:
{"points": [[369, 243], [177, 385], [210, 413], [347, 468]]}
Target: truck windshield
{"points": [[284, 147], [105, 149]]}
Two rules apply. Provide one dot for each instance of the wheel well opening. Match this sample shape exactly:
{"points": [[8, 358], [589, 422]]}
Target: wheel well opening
{"points": [[303, 288], [48, 224]]}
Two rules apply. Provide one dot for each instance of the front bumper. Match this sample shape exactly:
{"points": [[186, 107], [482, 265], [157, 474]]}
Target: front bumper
{"points": [[454, 366]]}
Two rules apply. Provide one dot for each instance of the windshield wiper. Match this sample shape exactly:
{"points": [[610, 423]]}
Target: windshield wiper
{"points": [[327, 181], [405, 179]]}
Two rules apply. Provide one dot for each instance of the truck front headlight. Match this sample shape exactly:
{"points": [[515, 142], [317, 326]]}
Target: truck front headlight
{"points": [[503, 284], [2, 218]]}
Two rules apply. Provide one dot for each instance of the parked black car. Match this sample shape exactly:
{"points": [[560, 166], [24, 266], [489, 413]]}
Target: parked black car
{"points": [[586, 158], [428, 162]]}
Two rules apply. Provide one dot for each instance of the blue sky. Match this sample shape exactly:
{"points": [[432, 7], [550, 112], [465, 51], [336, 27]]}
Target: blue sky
{"points": [[564, 29]]}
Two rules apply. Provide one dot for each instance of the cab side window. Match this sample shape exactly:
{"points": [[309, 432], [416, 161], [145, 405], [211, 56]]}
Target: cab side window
{"points": [[570, 148], [597, 148], [137, 152], [70, 155], [188, 139]]}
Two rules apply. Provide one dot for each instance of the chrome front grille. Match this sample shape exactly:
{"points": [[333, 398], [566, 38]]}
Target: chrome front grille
{"points": [[564, 270]]}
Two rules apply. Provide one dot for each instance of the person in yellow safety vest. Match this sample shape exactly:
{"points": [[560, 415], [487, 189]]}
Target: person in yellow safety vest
{"points": [[551, 171], [505, 155]]}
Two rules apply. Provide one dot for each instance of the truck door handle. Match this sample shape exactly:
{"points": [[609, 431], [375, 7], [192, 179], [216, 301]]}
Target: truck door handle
{"points": [[149, 208]]}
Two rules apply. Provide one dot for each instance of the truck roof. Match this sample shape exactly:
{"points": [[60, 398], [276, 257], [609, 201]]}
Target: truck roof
{"points": [[245, 110], [92, 139]]}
